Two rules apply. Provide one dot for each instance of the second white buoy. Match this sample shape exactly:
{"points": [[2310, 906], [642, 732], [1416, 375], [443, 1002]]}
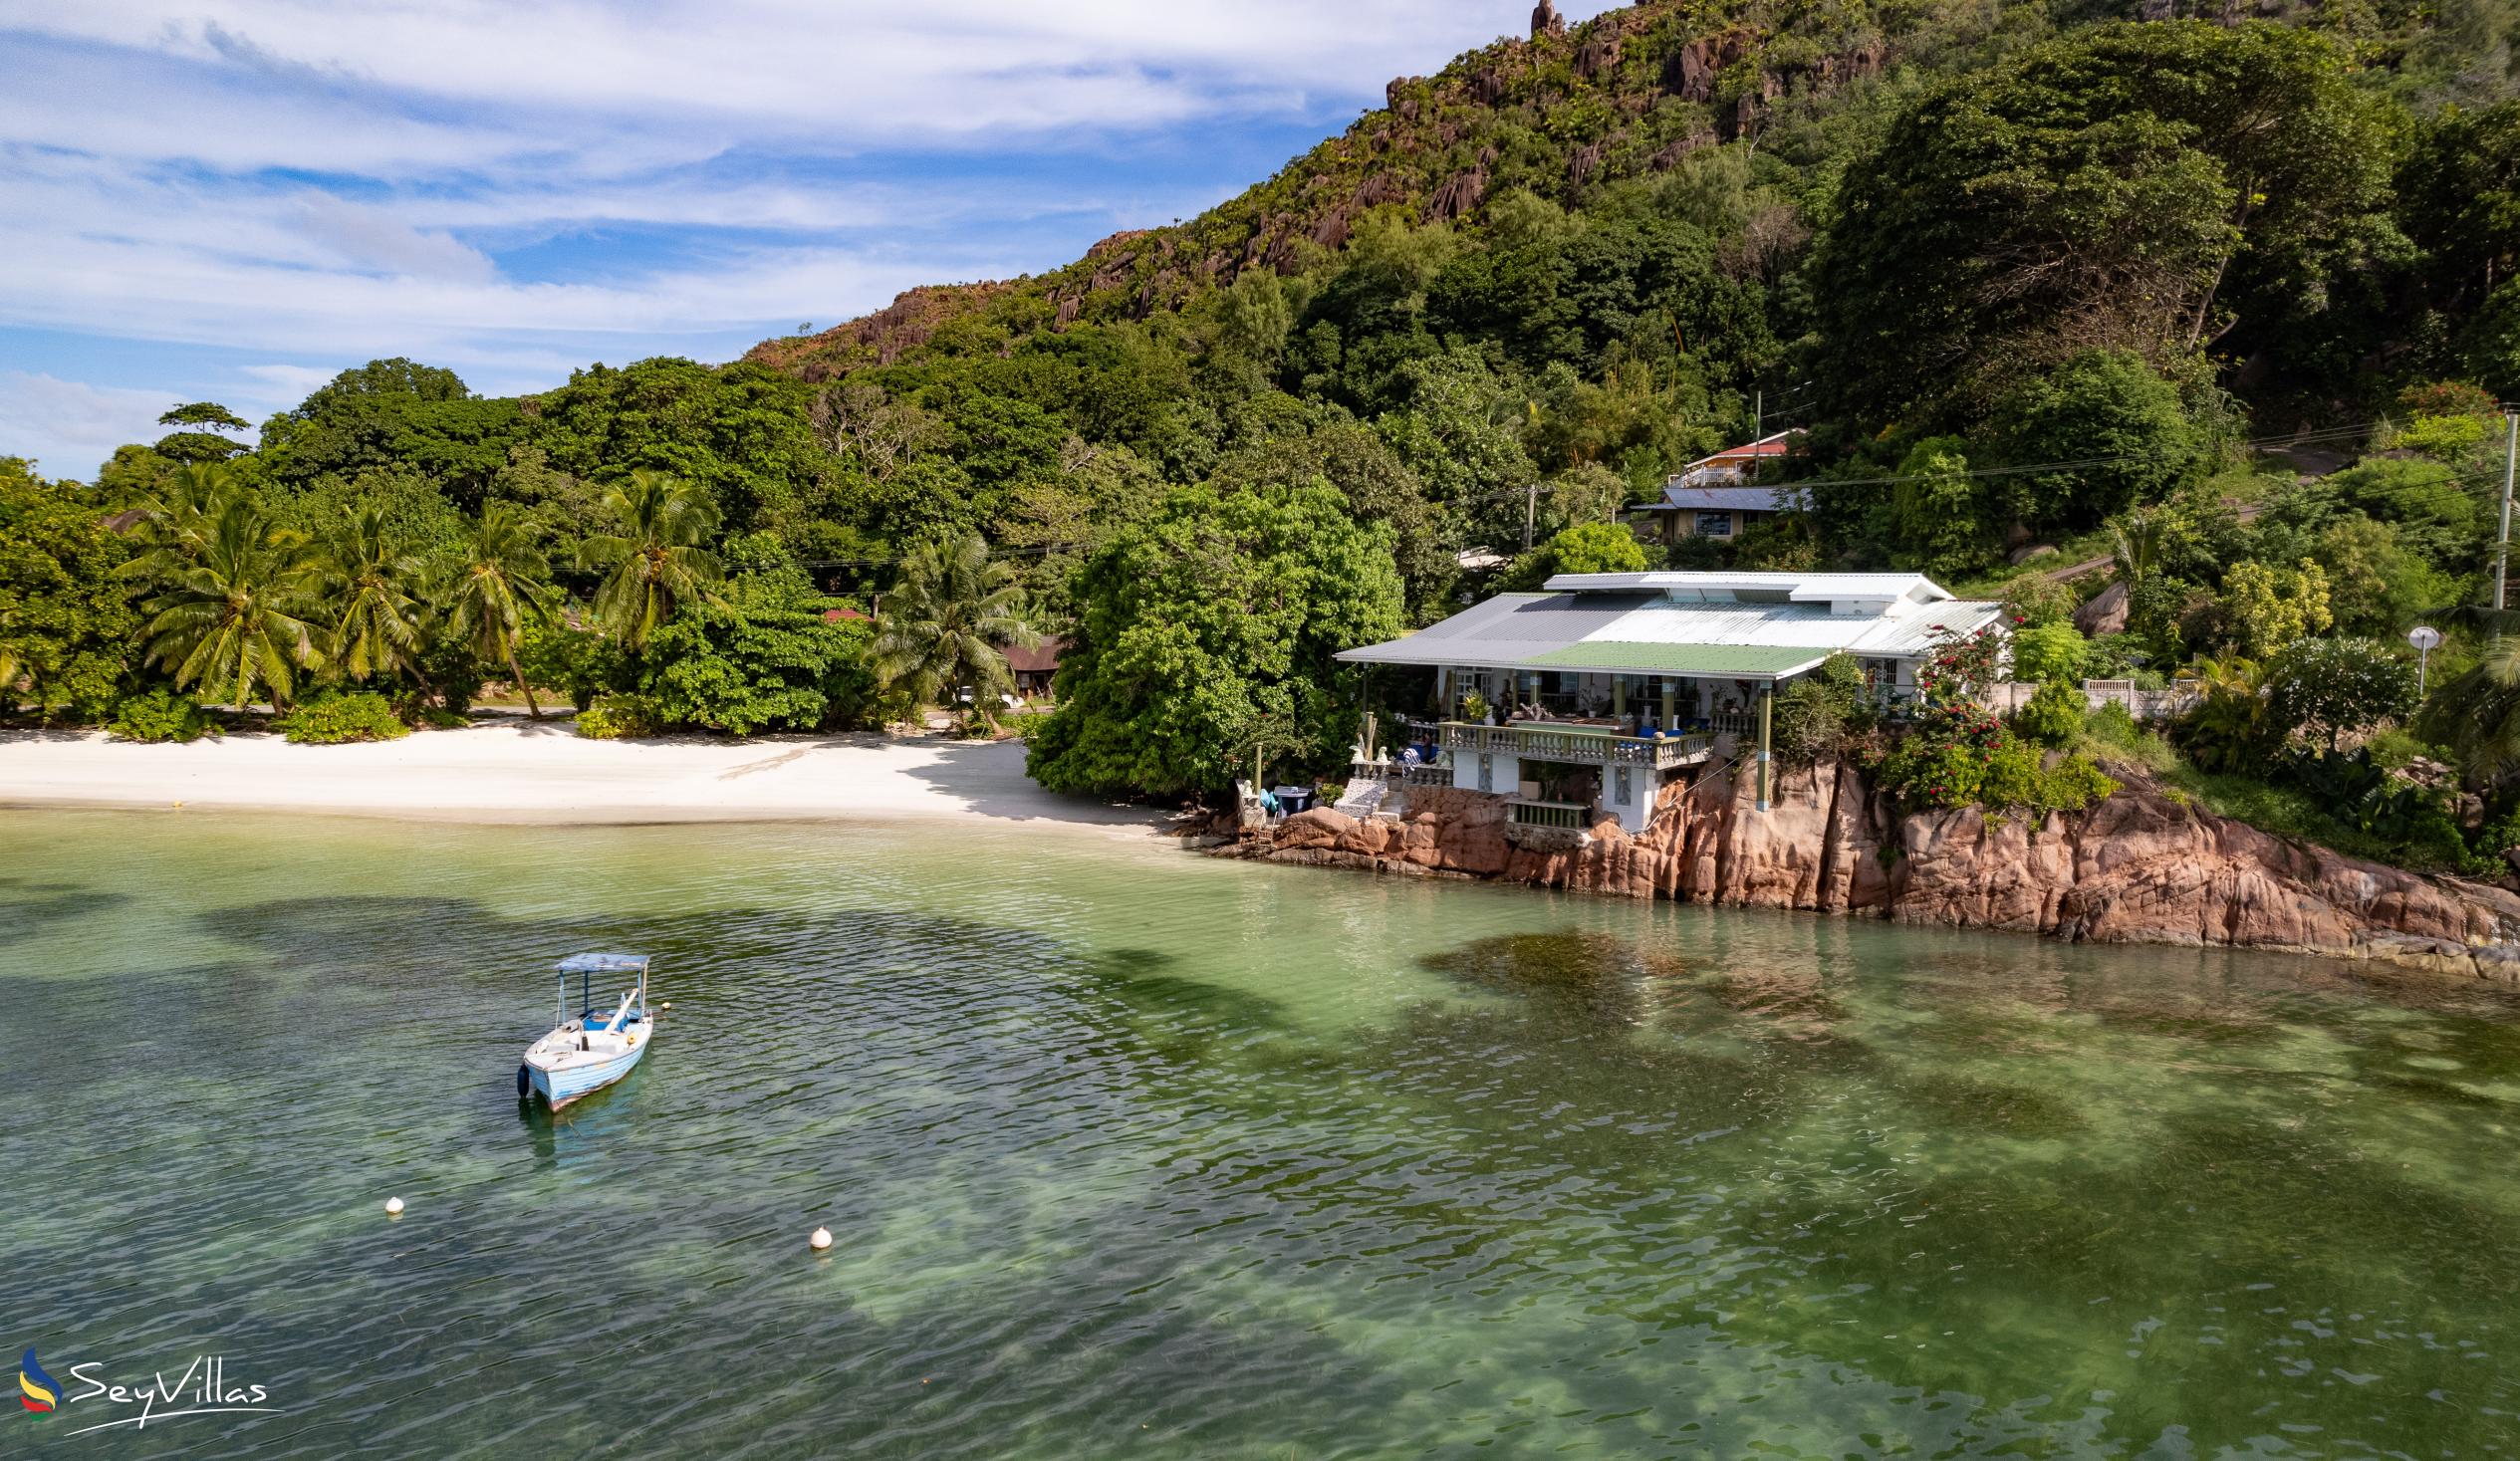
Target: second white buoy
{"points": [[821, 1239], [393, 1207]]}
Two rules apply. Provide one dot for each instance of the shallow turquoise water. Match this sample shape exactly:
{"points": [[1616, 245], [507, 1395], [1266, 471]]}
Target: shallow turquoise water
{"points": [[1130, 1153]]}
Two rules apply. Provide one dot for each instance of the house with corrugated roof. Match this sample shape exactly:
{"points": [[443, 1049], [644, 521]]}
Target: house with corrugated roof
{"points": [[1719, 496], [1595, 692]]}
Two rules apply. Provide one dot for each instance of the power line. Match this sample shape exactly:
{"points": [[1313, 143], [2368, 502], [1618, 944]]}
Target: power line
{"points": [[994, 551], [2305, 438]]}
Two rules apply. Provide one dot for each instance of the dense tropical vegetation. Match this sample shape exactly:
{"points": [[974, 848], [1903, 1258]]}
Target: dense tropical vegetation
{"points": [[2215, 310]]}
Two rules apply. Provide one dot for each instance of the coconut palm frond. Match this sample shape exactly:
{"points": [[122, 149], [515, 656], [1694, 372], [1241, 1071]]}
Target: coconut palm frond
{"points": [[657, 562], [502, 581], [947, 622], [228, 621]]}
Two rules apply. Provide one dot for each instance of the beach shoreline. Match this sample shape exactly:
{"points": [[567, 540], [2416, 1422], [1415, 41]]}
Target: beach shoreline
{"points": [[530, 773]]}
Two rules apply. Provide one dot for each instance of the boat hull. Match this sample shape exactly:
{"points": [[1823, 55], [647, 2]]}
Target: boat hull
{"points": [[574, 1083]]}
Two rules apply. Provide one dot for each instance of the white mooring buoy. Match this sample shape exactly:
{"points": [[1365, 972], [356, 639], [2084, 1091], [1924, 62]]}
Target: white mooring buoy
{"points": [[821, 1239], [393, 1207]]}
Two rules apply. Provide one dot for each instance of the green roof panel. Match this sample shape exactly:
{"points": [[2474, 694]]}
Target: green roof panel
{"points": [[1716, 661]]}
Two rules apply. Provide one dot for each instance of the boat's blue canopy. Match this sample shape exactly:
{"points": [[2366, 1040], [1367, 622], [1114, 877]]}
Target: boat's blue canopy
{"points": [[604, 964]]}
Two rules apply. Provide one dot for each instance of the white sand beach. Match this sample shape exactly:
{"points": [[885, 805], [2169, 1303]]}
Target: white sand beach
{"points": [[545, 772]]}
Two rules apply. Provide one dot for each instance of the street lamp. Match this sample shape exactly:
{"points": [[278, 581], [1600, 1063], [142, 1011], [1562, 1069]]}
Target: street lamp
{"points": [[2425, 639]]}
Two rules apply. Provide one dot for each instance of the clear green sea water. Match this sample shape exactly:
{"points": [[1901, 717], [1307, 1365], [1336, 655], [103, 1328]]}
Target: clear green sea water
{"points": [[1132, 1153]]}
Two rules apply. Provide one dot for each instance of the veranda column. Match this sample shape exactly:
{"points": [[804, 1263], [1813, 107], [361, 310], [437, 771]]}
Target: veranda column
{"points": [[1669, 685], [1767, 698], [1618, 696]]}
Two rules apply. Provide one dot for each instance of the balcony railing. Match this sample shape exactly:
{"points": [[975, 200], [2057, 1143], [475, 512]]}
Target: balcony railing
{"points": [[1577, 744], [1400, 774], [1568, 814]]}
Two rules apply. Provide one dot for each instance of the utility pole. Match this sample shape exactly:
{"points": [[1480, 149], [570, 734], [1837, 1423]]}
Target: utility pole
{"points": [[2510, 465], [1531, 511], [1758, 415]]}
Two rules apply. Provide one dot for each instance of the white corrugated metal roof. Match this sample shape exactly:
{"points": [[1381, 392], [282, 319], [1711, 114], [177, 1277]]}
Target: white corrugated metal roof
{"points": [[1801, 587], [1799, 625], [1516, 630], [1723, 499]]}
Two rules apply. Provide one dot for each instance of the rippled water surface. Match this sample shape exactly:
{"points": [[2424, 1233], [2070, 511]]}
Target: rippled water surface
{"points": [[1130, 1153]]}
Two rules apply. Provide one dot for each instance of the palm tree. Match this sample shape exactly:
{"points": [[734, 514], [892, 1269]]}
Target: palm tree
{"points": [[502, 579], [178, 520], [2477, 714], [657, 561], [947, 622], [365, 586], [229, 620], [2135, 544]]}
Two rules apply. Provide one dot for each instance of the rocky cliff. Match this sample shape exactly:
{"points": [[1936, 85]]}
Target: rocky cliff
{"points": [[2140, 867]]}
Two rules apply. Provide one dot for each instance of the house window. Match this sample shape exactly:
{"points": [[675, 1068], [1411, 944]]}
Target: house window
{"points": [[1714, 525]]}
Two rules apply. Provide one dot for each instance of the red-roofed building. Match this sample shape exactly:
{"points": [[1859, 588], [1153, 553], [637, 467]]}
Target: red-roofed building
{"points": [[837, 615], [1717, 496]]}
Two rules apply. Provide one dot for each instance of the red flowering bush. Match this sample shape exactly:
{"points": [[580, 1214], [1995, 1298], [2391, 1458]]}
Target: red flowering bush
{"points": [[1959, 754]]}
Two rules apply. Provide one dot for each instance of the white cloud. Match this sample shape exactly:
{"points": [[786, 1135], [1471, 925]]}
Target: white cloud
{"points": [[279, 386], [68, 426], [315, 180], [371, 239]]}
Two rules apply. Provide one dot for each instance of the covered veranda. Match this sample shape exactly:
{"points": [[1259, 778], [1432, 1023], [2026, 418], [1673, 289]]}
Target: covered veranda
{"points": [[1616, 721]]}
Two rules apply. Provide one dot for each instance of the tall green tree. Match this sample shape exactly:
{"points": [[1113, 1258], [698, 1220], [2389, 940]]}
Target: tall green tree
{"points": [[952, 616], [1939, 509], [371, 604], [2114, 419], [395, 414], [499, 584], [66, 622], [1216, 618], [655, 563], [765, 658], [2156, 187], [199, 439], [1586, 548], [231, 619]]}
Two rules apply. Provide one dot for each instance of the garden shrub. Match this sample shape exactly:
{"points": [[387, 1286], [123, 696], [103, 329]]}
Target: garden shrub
{"points": [[334, 720], [1941, 762], [2336, 686], [1960, 755], [2394, 749], [159, 716], [2117, 736], [2074, 783], [1813, 713], [2052, 652], [2035, 601], [620, 717], [2054, 716]]}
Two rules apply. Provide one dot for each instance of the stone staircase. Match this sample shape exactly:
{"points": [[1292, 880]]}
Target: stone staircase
{"points": [[1368, 797]]}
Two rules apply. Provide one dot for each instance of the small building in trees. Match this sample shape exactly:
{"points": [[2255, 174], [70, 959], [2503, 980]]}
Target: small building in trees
{"points": [[1589, 697], [1035, 668], [1719, 496]]}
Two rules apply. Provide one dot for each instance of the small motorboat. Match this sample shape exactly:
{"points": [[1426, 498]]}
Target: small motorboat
{"points": [[598, 1047]]}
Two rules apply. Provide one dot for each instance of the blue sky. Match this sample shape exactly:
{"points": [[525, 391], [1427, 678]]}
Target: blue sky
{"points": [[233, 199]]}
